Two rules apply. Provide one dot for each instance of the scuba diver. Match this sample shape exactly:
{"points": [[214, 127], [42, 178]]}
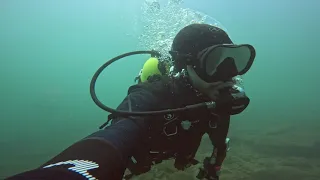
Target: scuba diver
{"points": [[153, 70], [164, 117]]}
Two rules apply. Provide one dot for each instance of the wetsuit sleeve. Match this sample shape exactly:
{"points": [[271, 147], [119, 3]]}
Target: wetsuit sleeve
{"points": [[103, 154], [218, 137]]}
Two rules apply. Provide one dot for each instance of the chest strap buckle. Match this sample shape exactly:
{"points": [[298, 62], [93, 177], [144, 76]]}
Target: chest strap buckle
{"points": [[212, 125], [168, 133]]}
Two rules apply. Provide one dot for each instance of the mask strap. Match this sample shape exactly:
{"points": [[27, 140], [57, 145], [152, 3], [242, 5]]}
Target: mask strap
{"points": [[184, 59]]}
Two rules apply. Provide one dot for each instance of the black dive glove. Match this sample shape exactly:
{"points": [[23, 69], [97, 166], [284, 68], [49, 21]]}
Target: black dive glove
{"points": [[232, 101]]}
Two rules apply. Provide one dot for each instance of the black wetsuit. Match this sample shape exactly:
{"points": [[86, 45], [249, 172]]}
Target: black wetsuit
{"points": [[105, 154]]}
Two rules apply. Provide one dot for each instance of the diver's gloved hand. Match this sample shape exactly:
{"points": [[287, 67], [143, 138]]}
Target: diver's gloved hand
{"points": [[209, 171], [232, 100]]}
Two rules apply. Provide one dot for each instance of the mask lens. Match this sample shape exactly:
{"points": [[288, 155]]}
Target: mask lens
{"points": [[228, 60], [213, 59]]}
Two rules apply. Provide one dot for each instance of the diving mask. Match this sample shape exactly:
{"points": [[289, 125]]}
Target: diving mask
{"points": [[219, 62]]}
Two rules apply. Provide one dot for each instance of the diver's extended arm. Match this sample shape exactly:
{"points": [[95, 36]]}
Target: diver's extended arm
{"points": [[101, 155]]}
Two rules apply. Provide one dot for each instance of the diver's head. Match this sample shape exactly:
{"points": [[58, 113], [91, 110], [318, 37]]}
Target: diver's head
{"points": [[209, 56]]}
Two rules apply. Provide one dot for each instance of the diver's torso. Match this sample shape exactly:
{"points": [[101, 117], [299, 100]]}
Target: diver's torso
{"points": [[172, 133], [176, 135]]}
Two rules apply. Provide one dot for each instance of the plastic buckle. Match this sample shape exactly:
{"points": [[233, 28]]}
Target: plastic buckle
{"points": [[170, 134], [213, 126]]}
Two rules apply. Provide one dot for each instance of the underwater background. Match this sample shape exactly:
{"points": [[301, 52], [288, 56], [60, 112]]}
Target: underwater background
{"points": [[49, 51]]}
